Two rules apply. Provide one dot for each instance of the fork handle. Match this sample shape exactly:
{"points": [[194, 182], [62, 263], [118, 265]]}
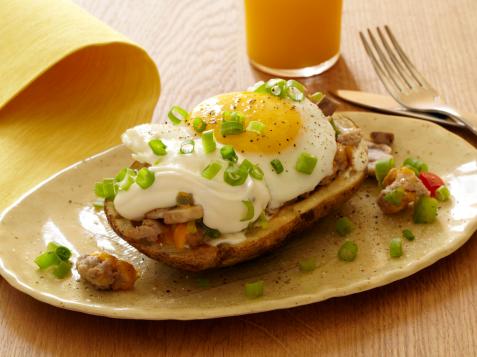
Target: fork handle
{"points": [[458, 116]]}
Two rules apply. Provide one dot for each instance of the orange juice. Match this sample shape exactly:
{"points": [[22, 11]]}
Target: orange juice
{"points": [[293, 35]]}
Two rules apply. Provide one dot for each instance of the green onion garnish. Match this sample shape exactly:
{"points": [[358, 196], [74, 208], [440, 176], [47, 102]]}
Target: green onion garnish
{"points": [[99, 189], [335, 127], [295, 90], [255, 126], [442, 193], [256, 172], [231, 128], [121, 174], [394, 197], [259, 87], [208, 141], [199, 125], [348, 251], [306, 163], [47, 259], [425, 210], [235, 175], [158, 147], [246, 165], [382, 168], [187, 147], [106, 189], [126, 183], [395, 247], [276, 86], [233, 116], [254, 290], [250, 211], [344, 226], [406, 233], [63, 253], [277, 166], [145, 178], [177, 114], [317, 97], [62, 269], [228, 153], [52, 247], [416, 165], [209, 232], [307, 265], [211, 170], [262, 221]]}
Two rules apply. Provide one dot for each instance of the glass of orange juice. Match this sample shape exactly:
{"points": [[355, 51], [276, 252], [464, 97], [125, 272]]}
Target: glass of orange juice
{"points": [[293, 38]]}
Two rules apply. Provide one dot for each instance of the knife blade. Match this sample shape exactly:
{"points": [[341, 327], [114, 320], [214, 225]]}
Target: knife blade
{"points": [[386, 104]]}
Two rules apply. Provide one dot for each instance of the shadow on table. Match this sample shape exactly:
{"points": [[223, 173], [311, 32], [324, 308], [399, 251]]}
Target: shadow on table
{"points": [[362, 322]]}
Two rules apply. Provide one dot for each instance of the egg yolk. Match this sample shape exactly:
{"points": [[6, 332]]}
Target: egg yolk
{"points": [[281, 119]]}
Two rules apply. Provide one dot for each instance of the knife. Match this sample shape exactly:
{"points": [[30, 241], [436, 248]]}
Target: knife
{"points": [[386, 104]]}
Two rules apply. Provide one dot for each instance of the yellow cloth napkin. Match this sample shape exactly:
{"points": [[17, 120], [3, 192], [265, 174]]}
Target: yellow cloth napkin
{"points": [[69, 86]]}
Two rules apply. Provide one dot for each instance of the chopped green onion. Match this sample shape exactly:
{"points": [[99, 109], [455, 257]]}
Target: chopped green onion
{"points": [[442, 193], [276, 87], [234, 175], [344, 226], [335, 127], [228, 153], [177, 114], [231, 128], [208, 141], [99, 189], [52, 247], [158, 147], [211, 170], [202, 282], [395, 196], [47, 259], [406, 233], [109, 188], [126, 183], [259, 87], [425, 210], [382, 168], [246, 166], [187, 147], [209, 232], [62, 269], [233, 116], [277, 166], [145, 178], [255, 126], [395, 247], [348, 251], [295, 90], [317, 97], [307, 265], [256, 172], [121, 174], [98, 203], [63, 253], [416, 165], [199, 125], [262, 221], [306, 163], [250, 211], [184, 198], [254, 290]]}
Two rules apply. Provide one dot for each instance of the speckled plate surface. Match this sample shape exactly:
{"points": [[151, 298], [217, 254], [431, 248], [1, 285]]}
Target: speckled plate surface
{"points": [[61, 210]]}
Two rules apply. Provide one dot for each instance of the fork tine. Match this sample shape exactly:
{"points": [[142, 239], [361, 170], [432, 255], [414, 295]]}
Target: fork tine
{"points": [[405, 74], [385, 79], [389, 68], [412, 69]]}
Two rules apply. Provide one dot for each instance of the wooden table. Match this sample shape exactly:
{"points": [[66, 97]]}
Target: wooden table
{"points": [[199, 48]]}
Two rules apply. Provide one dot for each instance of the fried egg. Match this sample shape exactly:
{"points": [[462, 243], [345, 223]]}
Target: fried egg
{"points": [[289, 129]]}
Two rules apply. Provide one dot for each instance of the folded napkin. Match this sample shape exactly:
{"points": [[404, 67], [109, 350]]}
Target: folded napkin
{"points": [[69, 86]]}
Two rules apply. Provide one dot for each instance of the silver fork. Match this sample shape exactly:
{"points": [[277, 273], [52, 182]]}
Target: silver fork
{"points": [[403, 81]]}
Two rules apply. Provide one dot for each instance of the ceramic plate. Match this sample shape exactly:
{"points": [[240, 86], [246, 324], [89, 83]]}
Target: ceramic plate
{"points": [[60, 210]]}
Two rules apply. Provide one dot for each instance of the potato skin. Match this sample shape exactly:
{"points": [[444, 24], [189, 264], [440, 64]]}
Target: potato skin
{"points": [[290, 219]]}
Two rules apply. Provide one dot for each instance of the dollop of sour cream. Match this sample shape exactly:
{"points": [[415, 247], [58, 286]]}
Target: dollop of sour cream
{"points": [[175, 172]]}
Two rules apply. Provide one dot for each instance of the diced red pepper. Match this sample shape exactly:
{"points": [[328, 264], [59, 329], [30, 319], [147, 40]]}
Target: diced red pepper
{"points": [[431, 181]]}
